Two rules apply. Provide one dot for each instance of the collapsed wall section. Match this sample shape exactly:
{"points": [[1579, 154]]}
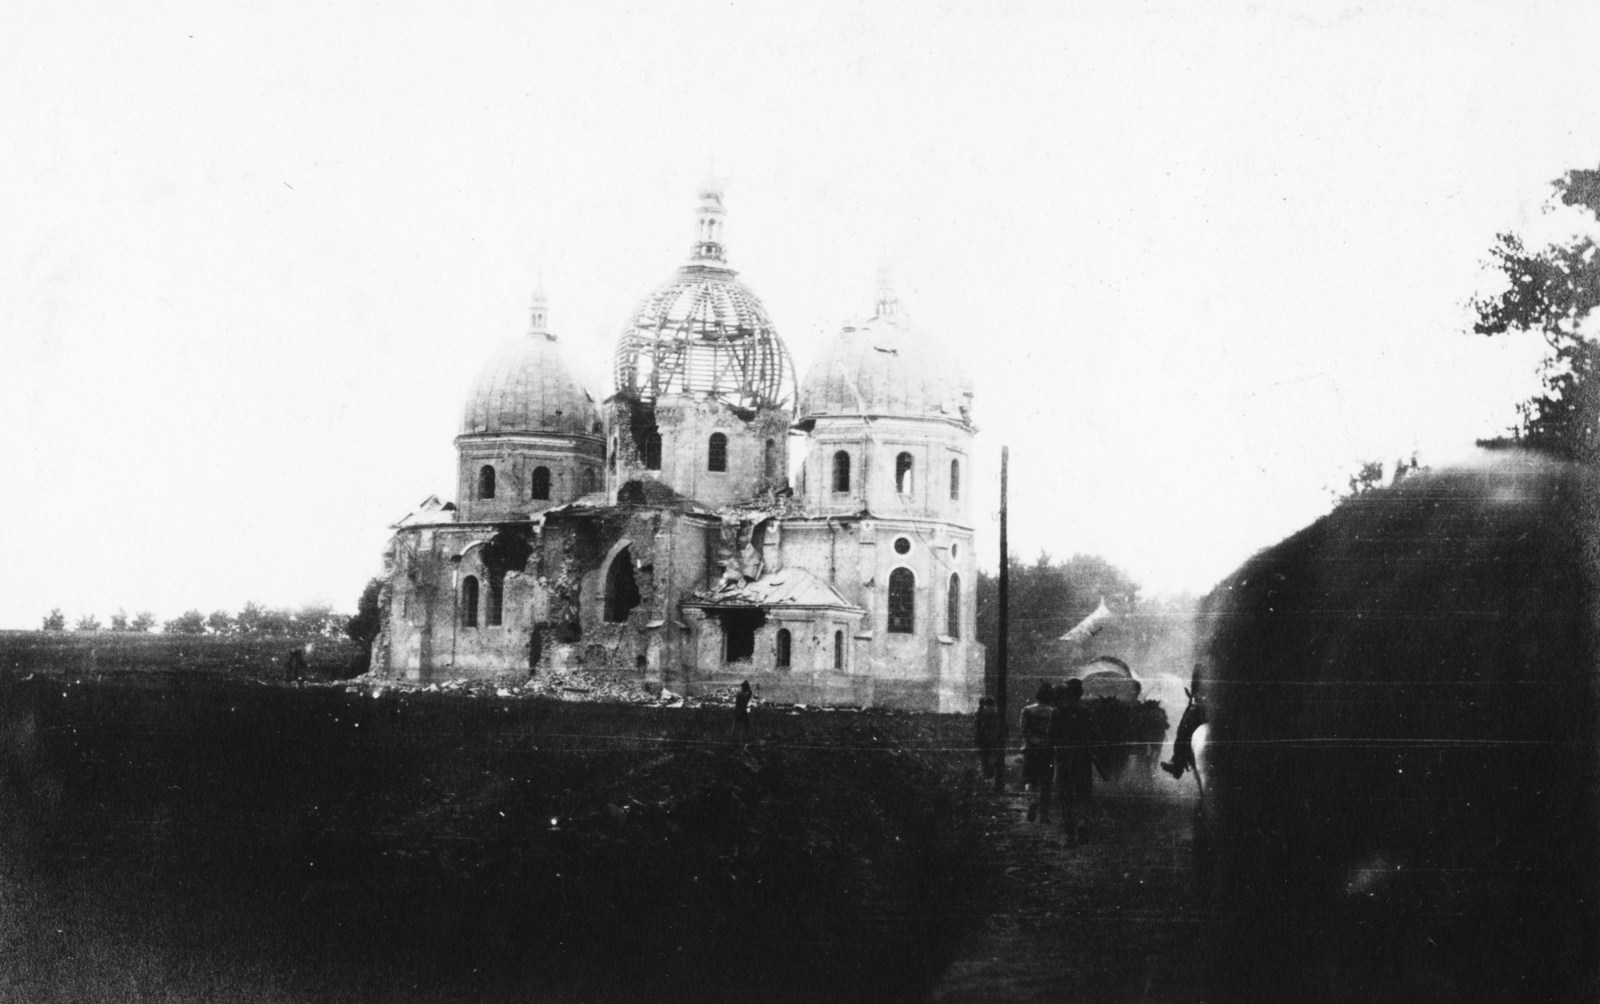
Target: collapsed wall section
{"points": [[615, 575], [702, 449]]}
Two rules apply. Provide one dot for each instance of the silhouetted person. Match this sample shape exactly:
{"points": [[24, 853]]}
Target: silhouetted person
{"points": [[987, 738], [1077, 744], [1036, 758], [294, 665], [741, 708]]}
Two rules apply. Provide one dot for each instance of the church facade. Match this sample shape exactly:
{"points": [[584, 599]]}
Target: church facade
{"points": [[656, 535]]}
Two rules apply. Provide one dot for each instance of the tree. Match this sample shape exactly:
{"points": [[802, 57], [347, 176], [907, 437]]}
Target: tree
{"points": [[221, 623], [363, 627], [1047, 599], [190, 622], [1366, 478], [1369, 477], [119, 620], [257, 621], [1554, 291], [55, 620], [88, 622], [316, 620], [142, 621]]}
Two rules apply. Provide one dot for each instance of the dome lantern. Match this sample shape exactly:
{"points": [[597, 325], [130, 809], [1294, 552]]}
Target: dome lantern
{"points": [[709, 218], [539, 312]]}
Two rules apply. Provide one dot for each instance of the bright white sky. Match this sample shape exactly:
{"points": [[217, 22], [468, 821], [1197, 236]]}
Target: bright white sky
{"points": [[1200, 259]]}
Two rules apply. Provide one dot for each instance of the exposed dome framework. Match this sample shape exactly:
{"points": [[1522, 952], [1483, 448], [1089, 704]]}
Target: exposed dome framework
{"points": [[703, 333]]}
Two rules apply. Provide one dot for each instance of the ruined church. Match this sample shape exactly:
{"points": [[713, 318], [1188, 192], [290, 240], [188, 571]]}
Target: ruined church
{"points": [[658, 536]]}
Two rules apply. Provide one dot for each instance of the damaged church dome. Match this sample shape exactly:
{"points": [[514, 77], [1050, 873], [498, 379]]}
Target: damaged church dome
{"points": [[884, 368], [703, 333], [526, 387]]}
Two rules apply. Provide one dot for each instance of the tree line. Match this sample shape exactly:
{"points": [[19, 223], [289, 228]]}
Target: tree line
{"points": [[310, 622], [139, 623]]}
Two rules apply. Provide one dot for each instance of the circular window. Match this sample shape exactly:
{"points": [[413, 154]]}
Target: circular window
{"points": [[902, 545], [955, 550]]}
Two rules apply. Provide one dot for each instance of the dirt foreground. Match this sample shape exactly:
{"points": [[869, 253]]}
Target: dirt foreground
{"points": [[1112, 920]]}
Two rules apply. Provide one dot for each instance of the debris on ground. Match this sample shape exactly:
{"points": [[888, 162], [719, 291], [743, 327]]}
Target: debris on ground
{"points": [[569, 685]]}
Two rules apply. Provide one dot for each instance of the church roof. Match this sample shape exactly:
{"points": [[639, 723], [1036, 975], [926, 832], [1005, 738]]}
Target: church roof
{"points": [[431, 512], [526, 387], [883, 367], [703, 333], [790, 587]]}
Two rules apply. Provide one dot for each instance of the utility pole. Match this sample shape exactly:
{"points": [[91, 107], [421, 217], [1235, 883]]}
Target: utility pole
{"points": [[1000, 656]]}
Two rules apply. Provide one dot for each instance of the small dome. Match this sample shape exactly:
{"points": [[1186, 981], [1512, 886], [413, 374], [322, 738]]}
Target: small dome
{"points": [[884, 368], [703, 333], [526, 387]]}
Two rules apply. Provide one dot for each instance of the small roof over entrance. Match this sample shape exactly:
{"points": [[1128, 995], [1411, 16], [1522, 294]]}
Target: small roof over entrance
{"points": [[790, 587]]}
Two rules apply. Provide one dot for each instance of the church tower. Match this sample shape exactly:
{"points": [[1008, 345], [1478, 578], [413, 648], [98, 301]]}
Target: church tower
{"points": [[530, 434], [888, 422], [705, 387]]}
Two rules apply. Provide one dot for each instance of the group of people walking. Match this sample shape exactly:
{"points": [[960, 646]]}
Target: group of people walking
{"points": [[1060, 753]]}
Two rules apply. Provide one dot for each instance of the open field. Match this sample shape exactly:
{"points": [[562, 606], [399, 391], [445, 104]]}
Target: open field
{"points": [[229, 840], [200, 836], [92, 653]]}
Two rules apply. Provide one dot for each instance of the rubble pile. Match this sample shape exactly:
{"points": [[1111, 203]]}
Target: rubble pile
{"points": [[570, 685]]}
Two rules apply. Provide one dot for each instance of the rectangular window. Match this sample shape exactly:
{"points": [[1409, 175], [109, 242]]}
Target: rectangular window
{"points": [[739, 634]]}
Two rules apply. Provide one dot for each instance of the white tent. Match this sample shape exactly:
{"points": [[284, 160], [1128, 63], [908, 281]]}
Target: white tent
{"points": [[1090, 625]]}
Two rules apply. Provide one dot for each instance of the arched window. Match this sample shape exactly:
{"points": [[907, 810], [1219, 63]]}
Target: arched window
{"points": [[622, 591], [486, 482], [652, 450], [588, 480], [769, 460], [717, 453], [492, 602], [541, 483], [469, 602], [838, 650], [783, 648], [902, 474], [952, 608], [841, 471], [955, 480], [902, 601]]}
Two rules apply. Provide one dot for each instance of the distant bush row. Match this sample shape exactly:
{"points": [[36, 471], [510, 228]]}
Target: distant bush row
{"points": [[140, 622], [314, 621], [317, 620]]}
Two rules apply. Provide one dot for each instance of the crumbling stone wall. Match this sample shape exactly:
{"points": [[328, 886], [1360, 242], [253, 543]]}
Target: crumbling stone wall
{"points": [[685, 426], [810, 678], [667, 551]]}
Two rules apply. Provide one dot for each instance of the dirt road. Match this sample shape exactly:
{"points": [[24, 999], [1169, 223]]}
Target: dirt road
{"points": [[1110, 921]]}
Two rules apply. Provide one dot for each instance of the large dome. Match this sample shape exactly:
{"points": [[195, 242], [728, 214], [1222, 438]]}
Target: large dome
{"points": [[884, 368], [525, 387], [703, 333]]}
